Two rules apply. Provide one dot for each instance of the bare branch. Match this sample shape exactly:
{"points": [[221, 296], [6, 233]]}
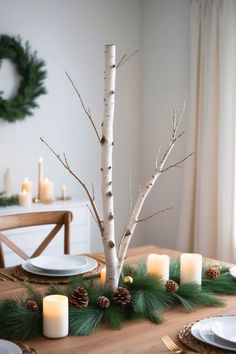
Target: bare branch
{"points": [[87, 111], [67, 166], [92, 213], [93, 194], [125, 58], [177, 163], [157, 158], [150, 216]]}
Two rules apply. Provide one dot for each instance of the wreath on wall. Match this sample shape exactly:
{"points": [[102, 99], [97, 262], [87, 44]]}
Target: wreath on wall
{"points": [[32, 74]]}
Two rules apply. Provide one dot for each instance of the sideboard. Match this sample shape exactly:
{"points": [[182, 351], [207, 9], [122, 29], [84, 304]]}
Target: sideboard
{"points": [[29, 238]]}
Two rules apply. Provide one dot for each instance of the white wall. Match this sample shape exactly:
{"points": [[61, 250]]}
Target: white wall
{"points": [[70, 35], [165, 59]]}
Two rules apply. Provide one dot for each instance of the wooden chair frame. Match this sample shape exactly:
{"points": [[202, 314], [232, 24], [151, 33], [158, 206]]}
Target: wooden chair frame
{"points": [[14, 221]]}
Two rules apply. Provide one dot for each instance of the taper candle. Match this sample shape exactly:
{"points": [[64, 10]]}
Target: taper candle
{"points": [[55, 316], [158, 264], [191, 268]]}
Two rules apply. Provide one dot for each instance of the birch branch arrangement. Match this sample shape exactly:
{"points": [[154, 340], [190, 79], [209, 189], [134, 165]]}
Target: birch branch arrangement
{"points": [[114, 255]]}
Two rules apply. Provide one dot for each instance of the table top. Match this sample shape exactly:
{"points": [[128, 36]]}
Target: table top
{"points": [[135, 337]]}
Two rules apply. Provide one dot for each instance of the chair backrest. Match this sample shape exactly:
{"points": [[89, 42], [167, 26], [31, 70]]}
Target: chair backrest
{"points": [[15, 221]]}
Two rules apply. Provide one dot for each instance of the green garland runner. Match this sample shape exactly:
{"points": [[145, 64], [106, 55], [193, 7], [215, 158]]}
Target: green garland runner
{"points": [[140, 295], [32, 74], [7, 201]]}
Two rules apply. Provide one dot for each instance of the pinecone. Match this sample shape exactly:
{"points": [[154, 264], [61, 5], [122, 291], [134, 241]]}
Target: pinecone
{"points": [[121, 296], [32, 305], [171, 286], [212, 272], [103, 302], [79, 297]]}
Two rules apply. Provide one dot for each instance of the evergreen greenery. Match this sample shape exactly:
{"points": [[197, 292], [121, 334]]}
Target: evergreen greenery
{"points": [[7, 201], [149, 300], [32, 74]]}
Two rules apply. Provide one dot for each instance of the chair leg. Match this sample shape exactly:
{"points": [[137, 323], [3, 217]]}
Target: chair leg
{"points": [[67, 220], [2, 261]]}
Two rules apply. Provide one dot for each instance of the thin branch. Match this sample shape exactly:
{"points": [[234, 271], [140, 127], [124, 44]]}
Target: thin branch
{"points": [[92, 213], [177, 163], [150, 216], [87, 111], [157, 158], [93, 194], [125, 58], [66, 165]]}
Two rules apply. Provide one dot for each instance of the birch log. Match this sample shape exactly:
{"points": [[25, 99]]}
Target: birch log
{"points": [[108, 237]]}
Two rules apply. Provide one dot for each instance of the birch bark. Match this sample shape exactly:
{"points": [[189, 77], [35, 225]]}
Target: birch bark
{"points": [[108, 236]]}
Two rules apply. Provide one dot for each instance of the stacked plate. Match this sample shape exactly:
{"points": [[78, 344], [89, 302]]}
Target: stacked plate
{"points": [[59, 266], [7, 347], [217, 331]]}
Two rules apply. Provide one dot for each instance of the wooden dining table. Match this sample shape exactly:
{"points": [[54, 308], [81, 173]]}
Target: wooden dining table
{"points": [[135, 337]]}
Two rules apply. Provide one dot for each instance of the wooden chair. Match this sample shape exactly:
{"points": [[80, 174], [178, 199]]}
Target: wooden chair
{"points": [[15, 221]]}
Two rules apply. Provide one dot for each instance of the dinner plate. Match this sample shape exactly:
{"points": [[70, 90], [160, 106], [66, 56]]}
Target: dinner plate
{"points": [[202, 331], [90, 265], [224, 328], [7, 347], [233, 271], [59, 263]]}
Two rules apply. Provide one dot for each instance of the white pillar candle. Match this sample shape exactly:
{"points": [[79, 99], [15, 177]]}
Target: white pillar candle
{"points": [[55, 316], [25, 198], [46, 190], [63, 192], [103, 276], [158, 264], [191, 268], [40, 174], [26, 185]]}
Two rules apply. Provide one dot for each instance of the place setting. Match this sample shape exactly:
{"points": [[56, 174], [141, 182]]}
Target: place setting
{"points": [[59, 268], [17, 347], [210, 335]]}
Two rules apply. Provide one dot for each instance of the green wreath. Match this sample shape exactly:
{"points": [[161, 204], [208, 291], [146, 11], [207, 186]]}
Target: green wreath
{"points": [[32, 73]]}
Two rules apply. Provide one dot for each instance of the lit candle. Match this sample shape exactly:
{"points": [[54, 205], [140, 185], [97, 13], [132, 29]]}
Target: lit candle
{"points": [[40, 174], [46, 190], [55, 316], [191, 268], [26, 185], [63, 192], [159, 264], [25, 198], [103, 276]]}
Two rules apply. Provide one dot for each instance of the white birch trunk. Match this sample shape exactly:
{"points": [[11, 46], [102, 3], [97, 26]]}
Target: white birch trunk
{"points": [[108, 236]]}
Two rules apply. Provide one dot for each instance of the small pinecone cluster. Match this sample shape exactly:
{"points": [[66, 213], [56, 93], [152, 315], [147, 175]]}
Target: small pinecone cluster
{"points": [[171, 286], [103, 302], [212, 272], [79, 297], [32, 305], [121, 296]]}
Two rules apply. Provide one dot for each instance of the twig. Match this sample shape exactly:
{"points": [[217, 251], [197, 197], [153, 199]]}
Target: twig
{"points": [[92, 213], [157, 158], [150, 216], [87, 111], [125, 58], [177, 163], [66, 165]]}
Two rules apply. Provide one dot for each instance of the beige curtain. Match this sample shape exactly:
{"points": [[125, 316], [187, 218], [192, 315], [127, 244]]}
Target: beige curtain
{"points": [[208, 212]]}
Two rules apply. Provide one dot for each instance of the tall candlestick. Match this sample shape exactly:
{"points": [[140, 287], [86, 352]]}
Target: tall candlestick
{"points": [[159, 265], [40, 174], [103, 276], [55, 316], [191, 268], [26, 185]]}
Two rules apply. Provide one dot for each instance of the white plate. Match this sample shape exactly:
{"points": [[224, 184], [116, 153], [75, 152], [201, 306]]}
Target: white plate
{"points": [[90, 265], [233, 271], [60, 263], [224, 328], [7, 347], [202, 331]]}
